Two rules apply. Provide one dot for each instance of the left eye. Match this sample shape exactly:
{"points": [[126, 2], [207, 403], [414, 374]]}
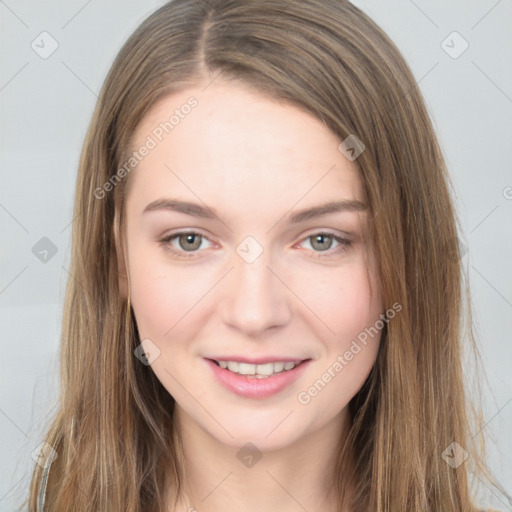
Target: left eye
{"points": [[322, 242]]}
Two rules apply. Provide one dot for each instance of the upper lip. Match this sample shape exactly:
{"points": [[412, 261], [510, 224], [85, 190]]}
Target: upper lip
{"points": [[257, 360]]}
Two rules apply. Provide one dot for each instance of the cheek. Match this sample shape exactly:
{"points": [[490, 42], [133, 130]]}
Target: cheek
{"points": [[162, 297], [345, 303], [342, 300]]}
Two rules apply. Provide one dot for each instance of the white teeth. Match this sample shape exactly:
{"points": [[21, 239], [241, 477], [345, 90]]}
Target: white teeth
{"points": [[246, 369], [265, 369], [257, 370], [278, 367], [233, 366]]}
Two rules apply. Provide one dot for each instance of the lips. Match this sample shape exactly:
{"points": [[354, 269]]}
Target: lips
{"points": [[249, 386]]}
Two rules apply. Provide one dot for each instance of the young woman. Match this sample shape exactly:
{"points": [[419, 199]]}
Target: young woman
{"points": [[264, 310]]}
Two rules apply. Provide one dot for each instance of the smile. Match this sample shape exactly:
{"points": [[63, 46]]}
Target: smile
{"points": [[256, 380], [259, 371]]}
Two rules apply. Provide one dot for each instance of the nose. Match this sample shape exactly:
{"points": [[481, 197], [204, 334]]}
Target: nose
{"points": [[254, 298]]}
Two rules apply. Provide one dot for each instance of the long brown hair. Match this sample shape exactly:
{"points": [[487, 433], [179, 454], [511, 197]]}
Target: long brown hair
{"points": [[117, 447]]}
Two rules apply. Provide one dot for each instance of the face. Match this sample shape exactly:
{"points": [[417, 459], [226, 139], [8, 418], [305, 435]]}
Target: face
{"points": [[238, 275]]}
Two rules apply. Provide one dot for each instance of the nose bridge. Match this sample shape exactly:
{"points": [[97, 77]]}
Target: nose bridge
{"points": [[255, 299]]}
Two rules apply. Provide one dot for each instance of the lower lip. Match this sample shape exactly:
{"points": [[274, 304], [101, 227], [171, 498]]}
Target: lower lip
{"points": [[252, 387]]}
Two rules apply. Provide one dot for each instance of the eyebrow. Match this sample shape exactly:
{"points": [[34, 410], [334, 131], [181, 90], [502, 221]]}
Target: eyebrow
{"points": [[196, 210]]}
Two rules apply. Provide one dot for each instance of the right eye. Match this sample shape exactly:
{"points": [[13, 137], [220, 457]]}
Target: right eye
{"points": [[184, 242]]}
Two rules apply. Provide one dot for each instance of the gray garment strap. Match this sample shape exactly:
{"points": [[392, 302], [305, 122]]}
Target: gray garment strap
{"points": [[41, 496], [42, 491]]}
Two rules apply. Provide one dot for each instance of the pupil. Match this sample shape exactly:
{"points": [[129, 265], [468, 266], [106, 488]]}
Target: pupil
{"points": [[321, 239], [189, 239]]}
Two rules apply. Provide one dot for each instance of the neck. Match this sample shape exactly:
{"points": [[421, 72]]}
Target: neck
{"points": [[292, 478]]}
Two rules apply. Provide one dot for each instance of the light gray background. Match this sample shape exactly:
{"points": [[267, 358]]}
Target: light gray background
{"points": [[46, 106]]}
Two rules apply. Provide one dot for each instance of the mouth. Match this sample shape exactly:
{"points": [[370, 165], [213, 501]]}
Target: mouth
{"points": [[257, 381]]}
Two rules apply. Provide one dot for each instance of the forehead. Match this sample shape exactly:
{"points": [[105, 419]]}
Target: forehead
{"points": [[234, 143]]}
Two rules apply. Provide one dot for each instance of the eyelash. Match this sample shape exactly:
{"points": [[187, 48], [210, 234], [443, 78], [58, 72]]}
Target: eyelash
{"points": [[344, 244]]}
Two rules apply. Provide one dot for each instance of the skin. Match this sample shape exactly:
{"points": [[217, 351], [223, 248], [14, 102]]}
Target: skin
{"points": [[256, 162]]}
